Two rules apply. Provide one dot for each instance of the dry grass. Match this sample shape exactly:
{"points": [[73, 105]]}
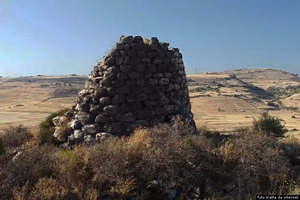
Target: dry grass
{"points": [[232, 167]]}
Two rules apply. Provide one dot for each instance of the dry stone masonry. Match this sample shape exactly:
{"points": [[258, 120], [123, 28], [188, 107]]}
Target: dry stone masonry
{"points": [[140, 83]]}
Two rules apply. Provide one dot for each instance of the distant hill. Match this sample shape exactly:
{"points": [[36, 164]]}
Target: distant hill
{"points": [[261, 73]]}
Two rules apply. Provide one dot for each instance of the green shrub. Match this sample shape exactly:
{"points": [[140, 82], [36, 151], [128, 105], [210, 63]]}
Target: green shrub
{"points": [[279, 92], [47, 128], [269, 125]]}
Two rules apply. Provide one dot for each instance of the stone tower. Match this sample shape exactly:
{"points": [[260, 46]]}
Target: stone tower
{"points": [[140, 82]]}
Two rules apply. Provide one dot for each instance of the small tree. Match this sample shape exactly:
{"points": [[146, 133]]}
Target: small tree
{"points": [[269, 125]]}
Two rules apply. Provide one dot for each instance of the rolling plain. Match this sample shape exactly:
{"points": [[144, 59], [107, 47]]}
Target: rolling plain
{"points": [[221, 101]]}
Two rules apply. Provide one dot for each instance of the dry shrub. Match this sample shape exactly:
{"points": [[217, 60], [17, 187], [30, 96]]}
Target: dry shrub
{"points": [[51, 173], [226, 151], [169, 154], [151, 162], [258, 165], [50, 189], [32, 164], [15, 136], [72, 166], [20, 193], [291, 146], [45, 188], [123, 187]]}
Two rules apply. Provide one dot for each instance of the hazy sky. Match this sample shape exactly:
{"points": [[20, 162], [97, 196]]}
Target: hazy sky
{"points": [[70, 36]]}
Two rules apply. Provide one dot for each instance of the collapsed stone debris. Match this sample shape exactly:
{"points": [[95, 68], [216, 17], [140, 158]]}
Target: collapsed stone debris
{"points": [[139, 83]]}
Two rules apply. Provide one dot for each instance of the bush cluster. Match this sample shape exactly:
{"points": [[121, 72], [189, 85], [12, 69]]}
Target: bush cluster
{"points": [[269, 125], [156, 163]]}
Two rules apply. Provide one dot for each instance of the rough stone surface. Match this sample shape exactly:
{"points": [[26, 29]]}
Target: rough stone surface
{"points": [[100, 137], [140, 82]]}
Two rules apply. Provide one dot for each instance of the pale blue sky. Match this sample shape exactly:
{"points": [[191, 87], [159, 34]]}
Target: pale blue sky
{"points": [[69, 36]]}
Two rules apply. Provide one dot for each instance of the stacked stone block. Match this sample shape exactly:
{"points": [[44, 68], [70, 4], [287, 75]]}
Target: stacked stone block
{"points": [[140, 82]]}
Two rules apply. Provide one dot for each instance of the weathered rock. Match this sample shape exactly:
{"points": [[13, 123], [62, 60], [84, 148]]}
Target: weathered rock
{"points": [[128, 117], [104, 101], [141, 54], [85, 118], [78, 134], [151, 68], [91, 129], [115, 52], [102, 118], [119, 60], [110, 91], [116, 127], [157, 61], [142, 97], [119, 46], [127, 39], [69, 115], [76, 124], [58, 120], [122, 76], [111, 109], [138, 39], [158, 75], [110, 61], [146, 60], [124, 90], [126, 68], [145, 114], [115, 69], [139, 83], [64, 145], [141, 67], [134, 75], [164, 81], [89, 139], [152, 82], [117, 83], [101, 137], [60, 135]]}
